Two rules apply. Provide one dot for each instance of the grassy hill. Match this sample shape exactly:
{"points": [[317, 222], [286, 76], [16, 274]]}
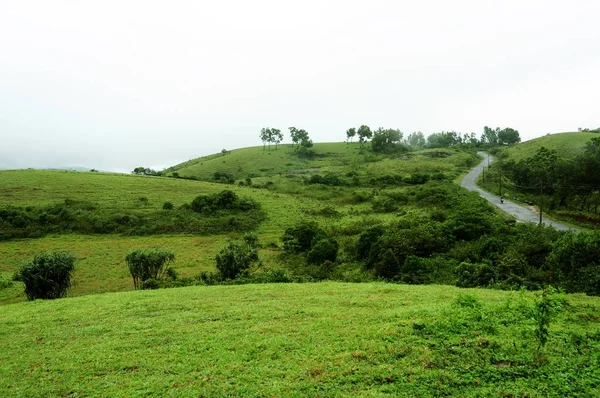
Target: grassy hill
{"points": [[327, 339], [286, 199], [567, 145], [333, 157]]}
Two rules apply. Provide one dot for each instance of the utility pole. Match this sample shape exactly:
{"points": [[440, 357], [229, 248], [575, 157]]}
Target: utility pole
{"points": [[541, 198], [483, 175], [500, 173]]}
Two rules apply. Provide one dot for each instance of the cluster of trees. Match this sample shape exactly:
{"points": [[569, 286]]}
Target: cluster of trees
{"points": [[465, 243], [145, 171], [271, 136], [298, 136], [364, 133], [499, 137], [393, 140], [570, 184]]}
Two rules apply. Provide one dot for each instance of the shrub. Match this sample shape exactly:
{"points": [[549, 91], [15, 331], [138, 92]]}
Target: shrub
{"points": [[4, 283], [48, 276], [476, 275], [224, 200], [168, 206], [323, 250], [145, 264], [366, 240], [251, 239], [235, 259], [300, 237]]}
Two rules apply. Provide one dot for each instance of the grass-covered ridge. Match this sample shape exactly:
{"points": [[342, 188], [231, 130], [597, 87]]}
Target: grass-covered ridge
{"points": [[326, 339], [568, 145], [332, 157]]}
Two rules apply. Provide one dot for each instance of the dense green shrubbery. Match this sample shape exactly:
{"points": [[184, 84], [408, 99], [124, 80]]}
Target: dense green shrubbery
{"points": [[148, 266], [224, 200], [235, 259], [47, 276], [222, 212]]}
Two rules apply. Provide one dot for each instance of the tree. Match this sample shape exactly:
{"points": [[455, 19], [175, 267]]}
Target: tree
{"points": [[266, 135], [351, 133], [508, 136], [146, 264], [276, 136], [386, 139], [300, 137], [416, 140], [489, 136], [146, 171], [443, 139], [364, 133], [235, 259], [48, 276]]}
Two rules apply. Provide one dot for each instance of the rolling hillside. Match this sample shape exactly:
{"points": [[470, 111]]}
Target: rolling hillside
{"points": [[286, 200], [333, 157], [567, 145]]}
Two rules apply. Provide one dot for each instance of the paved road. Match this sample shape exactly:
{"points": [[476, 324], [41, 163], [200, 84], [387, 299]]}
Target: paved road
{"points": [[521, 213]]}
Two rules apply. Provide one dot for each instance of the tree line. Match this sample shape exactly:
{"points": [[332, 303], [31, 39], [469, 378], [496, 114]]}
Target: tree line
{"points": [[569, 184]]}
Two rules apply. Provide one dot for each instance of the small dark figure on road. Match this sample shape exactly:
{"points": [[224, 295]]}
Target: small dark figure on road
{"points": [[501, 199]]}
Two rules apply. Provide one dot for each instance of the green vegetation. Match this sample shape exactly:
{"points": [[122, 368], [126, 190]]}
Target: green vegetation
{"points": [[147, 265], [561, 179], [235, 259], [568, 145], [47, 276], [326, 339], [300, 213]]}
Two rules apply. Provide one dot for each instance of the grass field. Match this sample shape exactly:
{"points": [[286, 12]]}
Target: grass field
{"points": [[326, 339], [567, 145], [100, 265]]}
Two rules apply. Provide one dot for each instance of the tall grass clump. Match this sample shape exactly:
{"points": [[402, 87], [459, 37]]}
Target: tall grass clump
{"points": [[147, 265], [47, 276]]}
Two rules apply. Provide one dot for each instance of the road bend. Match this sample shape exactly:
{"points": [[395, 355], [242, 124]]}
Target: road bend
{"points": [[521, 213]]}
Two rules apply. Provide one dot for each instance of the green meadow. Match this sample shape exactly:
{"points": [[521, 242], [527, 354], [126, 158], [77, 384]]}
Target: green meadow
{"points": [[320, 339], [285, 198], [568, 145], [324, 340]]}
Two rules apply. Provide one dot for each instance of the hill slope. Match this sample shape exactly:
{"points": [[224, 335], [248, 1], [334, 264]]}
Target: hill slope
{"points": [[326, 339], [567, 145]]}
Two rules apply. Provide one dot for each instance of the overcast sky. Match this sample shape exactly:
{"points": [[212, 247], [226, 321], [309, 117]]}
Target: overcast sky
{"points": [[119, 84]]}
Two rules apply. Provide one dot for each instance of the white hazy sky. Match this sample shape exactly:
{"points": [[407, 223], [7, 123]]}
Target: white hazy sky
{"points": [[119, 84]]}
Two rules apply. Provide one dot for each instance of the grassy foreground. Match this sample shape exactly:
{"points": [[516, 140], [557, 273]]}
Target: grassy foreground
{"points": [[327, 339]]}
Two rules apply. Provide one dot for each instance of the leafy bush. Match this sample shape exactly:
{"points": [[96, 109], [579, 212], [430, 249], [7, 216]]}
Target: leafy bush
{"points": [[251, 239], [4, 283], [224, 200], [476, 275], [235, 259], [146, 264], [300, 237], [323, 250], [48, 276], [366, 241], [574, 262], [167, 206]]}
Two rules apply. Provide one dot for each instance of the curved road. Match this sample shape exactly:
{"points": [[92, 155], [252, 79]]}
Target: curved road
{"points": [[521, 213]]}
